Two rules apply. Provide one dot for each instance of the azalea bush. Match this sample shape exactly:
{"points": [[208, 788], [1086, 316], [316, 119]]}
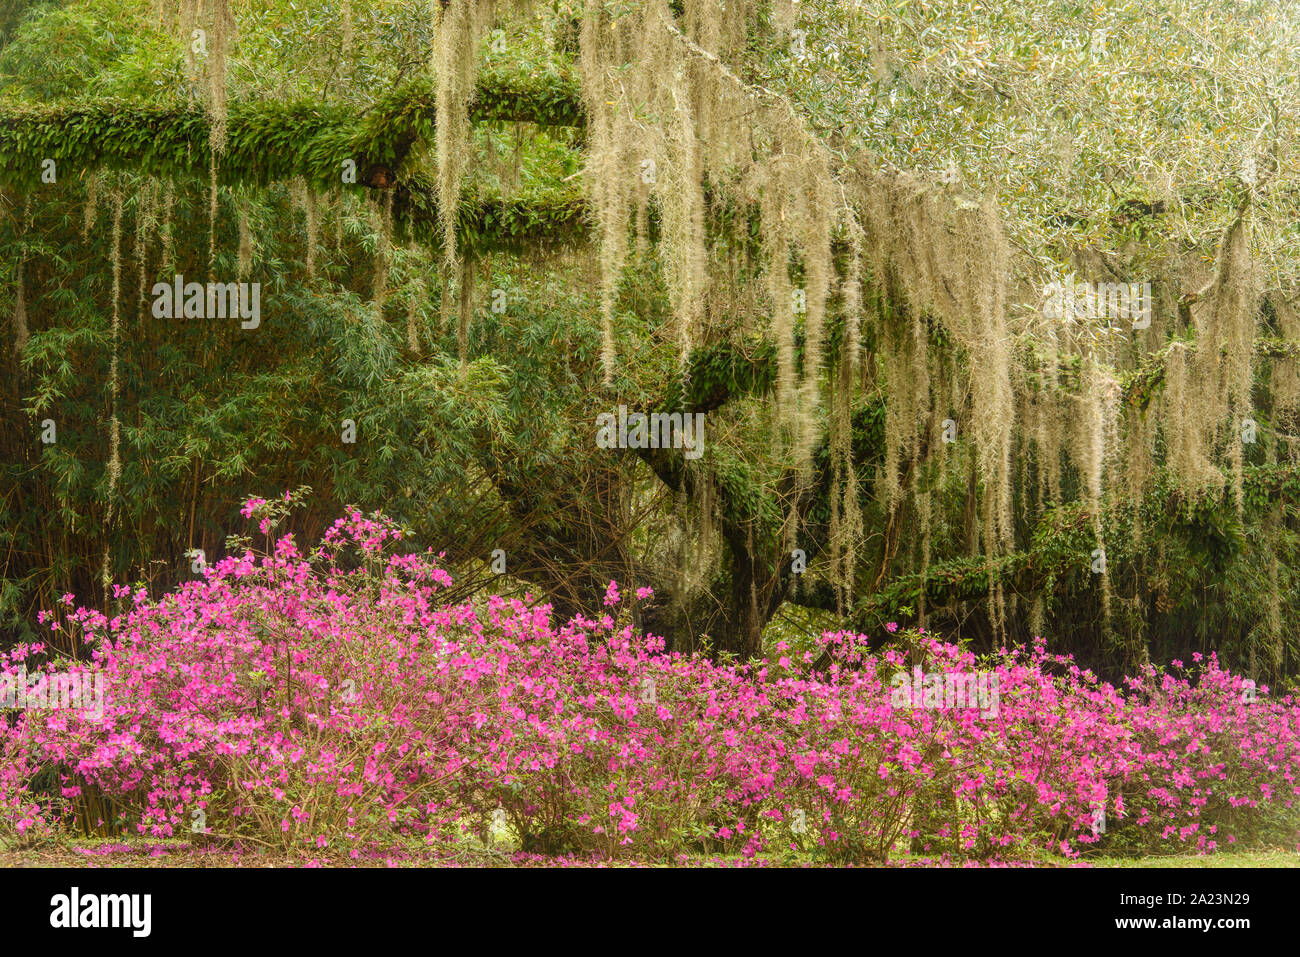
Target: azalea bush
{"points": [[327, 700]]}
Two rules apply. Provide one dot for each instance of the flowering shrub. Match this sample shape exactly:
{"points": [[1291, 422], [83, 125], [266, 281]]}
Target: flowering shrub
{"points": [[329, 700]]}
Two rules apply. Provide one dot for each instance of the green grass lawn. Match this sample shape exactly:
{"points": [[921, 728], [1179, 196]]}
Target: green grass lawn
{"points": [[1265, 857], [137, 852]]}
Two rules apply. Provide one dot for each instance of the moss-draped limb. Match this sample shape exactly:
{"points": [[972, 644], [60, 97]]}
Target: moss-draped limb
{"points": [[266, 142], [1141, 384], [1062, 545]]}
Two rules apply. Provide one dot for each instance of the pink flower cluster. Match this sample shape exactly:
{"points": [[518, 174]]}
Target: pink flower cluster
{"points": [[329, 701]]}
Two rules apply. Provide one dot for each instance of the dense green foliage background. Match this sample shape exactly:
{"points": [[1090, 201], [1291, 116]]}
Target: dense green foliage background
{"points": [[475, 427]]}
